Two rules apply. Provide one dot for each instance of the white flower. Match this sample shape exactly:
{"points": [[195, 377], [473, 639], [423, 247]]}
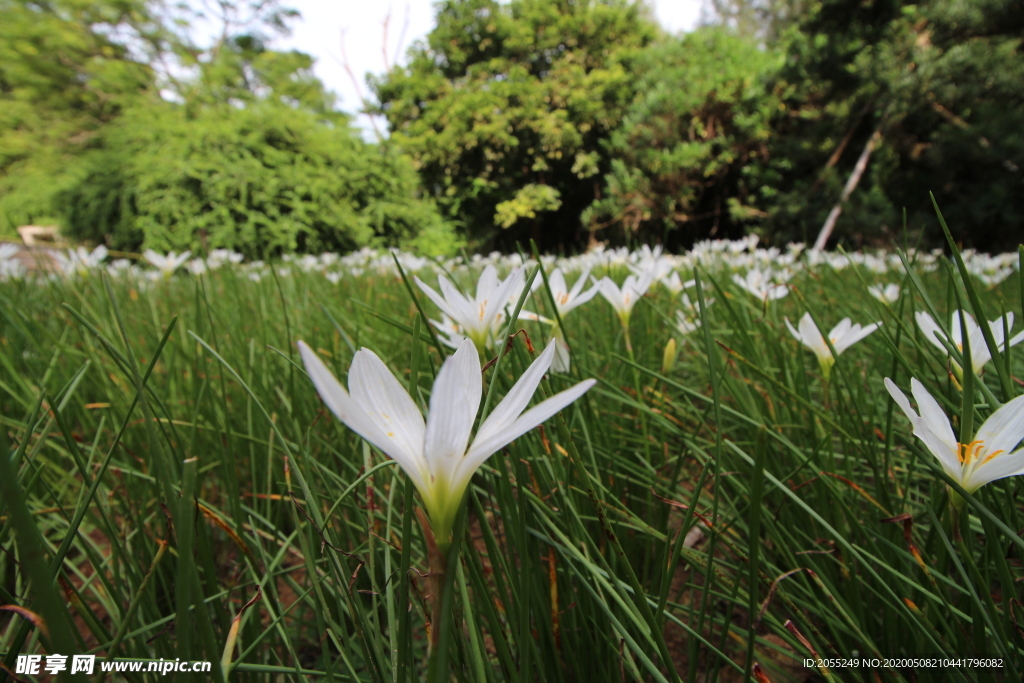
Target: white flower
{"points": [[218, 257], [675, 285], [11, 269], [436, 455], [761, 284], [166, 264], [481, 317], [688, 318], [623, 299], [80, 261], [987, 458], [562, 361], [450, 330], [566, 299], [197, 266], [843, 336], [887, 295], [979, 349], [8, 250]]}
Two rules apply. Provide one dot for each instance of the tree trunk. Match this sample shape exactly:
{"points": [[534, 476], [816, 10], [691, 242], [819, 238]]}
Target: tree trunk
{"points": [[851, 185]]}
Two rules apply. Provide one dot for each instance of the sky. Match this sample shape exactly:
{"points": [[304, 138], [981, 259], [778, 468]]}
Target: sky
{"points": [[337, 32]]}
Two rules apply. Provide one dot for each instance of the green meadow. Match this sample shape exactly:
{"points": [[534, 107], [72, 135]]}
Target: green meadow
{"points": [[173, 487]]}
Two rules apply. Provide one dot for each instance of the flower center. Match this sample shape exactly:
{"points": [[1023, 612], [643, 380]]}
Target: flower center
{"points": [[483, 305], [970, 452]]}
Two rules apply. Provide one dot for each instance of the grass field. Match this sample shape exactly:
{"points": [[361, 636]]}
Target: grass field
{"points": [[173, 486]]}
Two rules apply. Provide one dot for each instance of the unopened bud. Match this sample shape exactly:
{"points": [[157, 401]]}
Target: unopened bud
{"points": [[668, 359]]}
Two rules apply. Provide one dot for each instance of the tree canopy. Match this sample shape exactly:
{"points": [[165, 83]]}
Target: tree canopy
{"points": [[115, 124], [505, 108], [562, 121]]}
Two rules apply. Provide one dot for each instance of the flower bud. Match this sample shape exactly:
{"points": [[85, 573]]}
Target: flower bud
{"points": [[668, 359]]}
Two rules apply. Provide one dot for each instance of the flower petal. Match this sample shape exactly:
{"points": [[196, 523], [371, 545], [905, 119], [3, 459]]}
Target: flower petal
{"points": [[438, 300], [352, 414], [577, 286], [467, 313], [931, 330], [495, 440], [1004, 429], [854, 335], [487, 283], [385, 401], [454, 402], [812, 338], [999, 467], [578, 300], [556, 280], [841, 330], [611, 293], [506, 412], [901, 400], [934, 429], [792, 330], [940, 449]]}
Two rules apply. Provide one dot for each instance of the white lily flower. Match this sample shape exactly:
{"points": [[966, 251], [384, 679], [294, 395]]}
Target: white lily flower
{"points": [[482, 316], [688, 318], [8, 250], [436, 455], [80, 261], [761, 284], [843, 336], [88, 260], [10, 267], [450, 330], [566, 299], [887, 295], [988, 457], [979, 349], [166, 264], [624, 298], [675, 285]]}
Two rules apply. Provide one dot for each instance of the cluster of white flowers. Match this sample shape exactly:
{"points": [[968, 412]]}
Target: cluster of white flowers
{"points": [[763, 272]]}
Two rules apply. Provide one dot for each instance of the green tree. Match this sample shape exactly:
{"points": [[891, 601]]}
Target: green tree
{"points": [[242, 146], [264, 179], [680, 157], [63, 77], [942, 83], [505, 106]]}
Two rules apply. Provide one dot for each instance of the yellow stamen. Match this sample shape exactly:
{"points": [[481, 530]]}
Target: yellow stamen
{"points": [[969, 452], [992, 455]]}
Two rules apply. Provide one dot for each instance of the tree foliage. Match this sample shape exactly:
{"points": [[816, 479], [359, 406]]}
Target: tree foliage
{"points": [[233, 145], [505, 107], [943, 82], [680, 156], [264, 179], [559, 120]]}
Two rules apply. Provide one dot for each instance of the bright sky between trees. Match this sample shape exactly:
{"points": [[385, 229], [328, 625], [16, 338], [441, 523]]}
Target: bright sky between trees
{"points": [[327, 27]]}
